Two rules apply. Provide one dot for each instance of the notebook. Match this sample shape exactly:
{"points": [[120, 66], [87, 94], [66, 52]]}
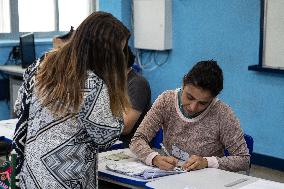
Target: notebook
{"points": [[138, 169]]}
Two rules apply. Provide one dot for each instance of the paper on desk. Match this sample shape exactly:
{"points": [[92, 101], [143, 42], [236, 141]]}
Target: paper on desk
{"points": [[139, 170], [117, 156], [264, 184], [7, 128]]}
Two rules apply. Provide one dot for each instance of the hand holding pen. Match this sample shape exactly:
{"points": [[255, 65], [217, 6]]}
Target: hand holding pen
{"points": [[165, 162], [194, 163]]}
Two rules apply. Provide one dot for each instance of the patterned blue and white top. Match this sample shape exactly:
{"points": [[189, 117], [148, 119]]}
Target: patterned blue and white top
{"points": [[61, 152]]}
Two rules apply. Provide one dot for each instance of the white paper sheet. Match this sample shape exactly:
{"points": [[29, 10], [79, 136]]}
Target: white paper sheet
{"points": [[139, 169]]}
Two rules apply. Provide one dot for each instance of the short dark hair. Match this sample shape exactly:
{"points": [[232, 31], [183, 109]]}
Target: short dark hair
{"points": [[207, 75]]}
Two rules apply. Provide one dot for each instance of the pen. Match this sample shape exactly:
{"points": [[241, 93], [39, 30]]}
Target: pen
{"points": [[236, 182], [165, 150]]}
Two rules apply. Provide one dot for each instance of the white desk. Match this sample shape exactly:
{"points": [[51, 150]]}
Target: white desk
{"points": [[208, 178], [15, 73], [117, 178], [7, 129], [211, 178]]}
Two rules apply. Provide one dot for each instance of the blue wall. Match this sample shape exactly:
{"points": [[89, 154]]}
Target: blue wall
{"points": [[5, 48], [227, 31], [121, 9]]}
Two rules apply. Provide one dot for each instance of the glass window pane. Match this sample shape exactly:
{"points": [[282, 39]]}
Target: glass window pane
{"points": [[5, 26], [36, 15], [72, 13]]}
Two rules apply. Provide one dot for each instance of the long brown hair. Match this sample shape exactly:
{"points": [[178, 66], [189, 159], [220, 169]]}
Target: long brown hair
{"points": [[97, 45]]}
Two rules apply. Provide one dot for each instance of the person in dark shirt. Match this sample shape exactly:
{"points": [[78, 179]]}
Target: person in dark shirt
{"points": [[140, 97], [59, 41]]}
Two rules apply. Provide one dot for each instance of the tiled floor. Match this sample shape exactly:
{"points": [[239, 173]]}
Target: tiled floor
{"points": [[266, 173]]}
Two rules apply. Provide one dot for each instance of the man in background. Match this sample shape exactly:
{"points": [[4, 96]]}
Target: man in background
{"points": [[140, 97], [59, 41]]}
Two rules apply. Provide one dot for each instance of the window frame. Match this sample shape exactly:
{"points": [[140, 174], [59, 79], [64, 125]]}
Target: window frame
{"points": [[14, 16], [261, 67]]}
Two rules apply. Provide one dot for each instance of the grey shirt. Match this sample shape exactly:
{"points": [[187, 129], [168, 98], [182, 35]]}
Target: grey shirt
{"points": [[140, 96]]}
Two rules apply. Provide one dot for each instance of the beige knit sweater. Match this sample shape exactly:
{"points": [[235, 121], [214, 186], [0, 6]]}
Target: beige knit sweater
{"points": [[205, 135]]}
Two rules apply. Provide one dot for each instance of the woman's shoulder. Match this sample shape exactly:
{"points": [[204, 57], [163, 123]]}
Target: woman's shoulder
{"points": [[168, 95], [166, 98], [223, 109]]}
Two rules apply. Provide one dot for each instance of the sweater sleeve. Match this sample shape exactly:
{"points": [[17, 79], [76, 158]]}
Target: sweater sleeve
{"points": [[147, 130], [232, 137]]}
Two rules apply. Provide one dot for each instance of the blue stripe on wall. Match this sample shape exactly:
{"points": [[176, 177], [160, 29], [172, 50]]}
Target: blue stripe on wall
{"points": [[268, 161]]}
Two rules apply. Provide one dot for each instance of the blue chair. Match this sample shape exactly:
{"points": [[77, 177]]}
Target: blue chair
{"points": [[157, 140], [249, 141]]}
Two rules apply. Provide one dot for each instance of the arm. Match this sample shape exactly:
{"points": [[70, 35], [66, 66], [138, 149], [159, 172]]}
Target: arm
{"points": [[25, 91], [194, 163], [148, 128], [21, 109], [130, 118], [139, 93], [18, 102], [231, 135]]}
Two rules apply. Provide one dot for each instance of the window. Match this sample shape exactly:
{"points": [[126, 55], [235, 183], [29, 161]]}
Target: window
{"points": [[43, 17], [4, 16], [66, 14], [271, 55]]}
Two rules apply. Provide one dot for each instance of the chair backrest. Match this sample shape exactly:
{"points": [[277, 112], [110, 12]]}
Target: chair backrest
{"points": [[155, 143], [249, 141]]}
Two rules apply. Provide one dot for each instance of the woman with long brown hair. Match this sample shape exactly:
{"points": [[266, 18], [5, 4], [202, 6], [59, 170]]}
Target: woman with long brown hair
{"points": [[70, 105]]}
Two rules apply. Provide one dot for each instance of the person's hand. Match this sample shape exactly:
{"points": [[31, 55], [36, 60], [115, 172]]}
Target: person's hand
{"points": [[194, 163], [165, 162]]}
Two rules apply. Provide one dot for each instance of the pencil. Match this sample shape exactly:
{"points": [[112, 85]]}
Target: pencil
{"points": [[165, 150]]}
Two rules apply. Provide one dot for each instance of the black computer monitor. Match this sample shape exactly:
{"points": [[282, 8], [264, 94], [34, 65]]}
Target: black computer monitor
{"points": [[27, 48]]}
